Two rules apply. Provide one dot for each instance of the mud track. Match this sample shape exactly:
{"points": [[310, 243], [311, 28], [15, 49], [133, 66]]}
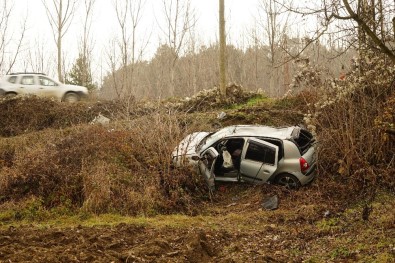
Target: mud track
{"points": [[123, 243], [234, 229]]}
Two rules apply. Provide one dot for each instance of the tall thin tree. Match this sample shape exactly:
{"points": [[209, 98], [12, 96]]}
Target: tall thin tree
{"points": [[9, 47], [179, 20], [60, 14], [222, 49]]}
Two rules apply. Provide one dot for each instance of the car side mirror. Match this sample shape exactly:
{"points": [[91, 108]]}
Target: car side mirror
{"points": [[195, 158]]}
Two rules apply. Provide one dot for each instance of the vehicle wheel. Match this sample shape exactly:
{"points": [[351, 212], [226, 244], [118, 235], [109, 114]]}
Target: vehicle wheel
{"points": [[71, 97], [10, 95], [287, 180]]}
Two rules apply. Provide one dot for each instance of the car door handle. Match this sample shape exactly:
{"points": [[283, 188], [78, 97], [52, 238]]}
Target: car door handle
{"points": [[266, 171]]}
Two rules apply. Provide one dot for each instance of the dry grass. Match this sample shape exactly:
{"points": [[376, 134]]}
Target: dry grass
{"points": [[58, 159], [21, 115], [125, 168], [353, 149]]}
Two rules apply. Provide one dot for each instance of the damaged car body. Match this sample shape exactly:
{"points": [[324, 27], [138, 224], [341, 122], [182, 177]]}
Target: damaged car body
{"points": [[251, 153]]}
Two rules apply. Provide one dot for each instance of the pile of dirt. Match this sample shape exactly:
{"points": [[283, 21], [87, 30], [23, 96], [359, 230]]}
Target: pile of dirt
{"points": [[263, 116], [212, 99]]}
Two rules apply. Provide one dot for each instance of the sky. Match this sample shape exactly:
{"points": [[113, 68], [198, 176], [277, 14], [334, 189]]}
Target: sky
{"points": [[240, 15]]}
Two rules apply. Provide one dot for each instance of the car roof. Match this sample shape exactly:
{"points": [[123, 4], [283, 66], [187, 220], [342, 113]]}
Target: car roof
{"points": [[27, 73], [256, 130]]}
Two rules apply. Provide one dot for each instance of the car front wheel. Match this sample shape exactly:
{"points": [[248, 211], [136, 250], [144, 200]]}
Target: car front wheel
{"points": [[10, 95], [288, 180], [71, 97]]}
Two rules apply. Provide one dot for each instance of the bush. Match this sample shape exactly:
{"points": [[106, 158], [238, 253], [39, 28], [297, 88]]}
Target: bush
{"points": [[21, 115], [125, 169], [352, 147]]}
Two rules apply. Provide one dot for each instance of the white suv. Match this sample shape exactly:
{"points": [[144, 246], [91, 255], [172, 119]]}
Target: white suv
{"points": [[41, 85]]}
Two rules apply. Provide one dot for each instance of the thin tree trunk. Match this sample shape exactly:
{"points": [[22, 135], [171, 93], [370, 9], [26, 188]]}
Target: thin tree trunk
{"points": [[59, 44], [222, 47]]}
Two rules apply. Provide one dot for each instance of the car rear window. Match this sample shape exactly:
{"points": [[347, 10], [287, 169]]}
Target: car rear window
{"points": [[46, 81], [12, 79], [304, 140]]}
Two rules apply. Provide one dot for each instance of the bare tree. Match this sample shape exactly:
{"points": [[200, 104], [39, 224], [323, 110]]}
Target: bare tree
{"points": [[273, 22], [82, 68], [9, 47], [112, 61], [37, 59], [4, 27], [129, 14], [86, 49], [367, 23], [179, 19], [60, 14], [222, 49]]}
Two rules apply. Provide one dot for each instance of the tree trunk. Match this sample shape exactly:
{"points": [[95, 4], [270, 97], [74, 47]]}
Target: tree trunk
{"points": [[59, 44], [222, 47]]}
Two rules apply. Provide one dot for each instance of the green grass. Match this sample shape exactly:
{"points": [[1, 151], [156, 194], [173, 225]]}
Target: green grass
{"points": [[254, 101]]}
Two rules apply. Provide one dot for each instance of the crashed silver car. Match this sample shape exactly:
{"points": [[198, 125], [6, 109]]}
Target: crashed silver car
{"points": [[251, 153]]}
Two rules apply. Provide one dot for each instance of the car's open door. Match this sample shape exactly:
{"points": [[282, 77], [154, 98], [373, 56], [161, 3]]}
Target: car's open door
{"points": [[259, 161], [206, 166]]}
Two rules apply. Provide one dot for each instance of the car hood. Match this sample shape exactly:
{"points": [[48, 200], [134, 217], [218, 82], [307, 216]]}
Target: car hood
{"points": [[188, 145]]}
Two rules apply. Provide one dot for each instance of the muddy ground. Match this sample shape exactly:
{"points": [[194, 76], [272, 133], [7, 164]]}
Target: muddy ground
{"points": [[232, 228]]}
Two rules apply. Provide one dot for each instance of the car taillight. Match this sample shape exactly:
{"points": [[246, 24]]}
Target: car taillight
{"points": [[304, 165]]}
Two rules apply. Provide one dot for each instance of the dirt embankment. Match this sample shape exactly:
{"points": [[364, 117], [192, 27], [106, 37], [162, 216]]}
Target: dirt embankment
{"points": [[122, 243], [232, 228]]}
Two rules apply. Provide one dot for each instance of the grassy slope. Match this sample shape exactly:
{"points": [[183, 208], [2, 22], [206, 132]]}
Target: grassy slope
{"points": [[310, 224]]}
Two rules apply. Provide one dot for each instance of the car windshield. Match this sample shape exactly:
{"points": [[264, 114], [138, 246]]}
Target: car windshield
{"points": [[203, 142], [211, 138]]}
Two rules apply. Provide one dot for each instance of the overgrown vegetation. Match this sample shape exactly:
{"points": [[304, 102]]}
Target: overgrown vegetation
{"points": [[30, 114], [58, 168], [355, 146], [124, 169], [56, 157]]}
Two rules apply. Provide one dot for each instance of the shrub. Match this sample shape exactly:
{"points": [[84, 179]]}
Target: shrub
{"points": [[351, 145], [124, 168], [21, 115]]}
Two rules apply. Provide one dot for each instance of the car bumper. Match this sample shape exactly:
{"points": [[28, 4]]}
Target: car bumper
{"points": [[309, 176]]}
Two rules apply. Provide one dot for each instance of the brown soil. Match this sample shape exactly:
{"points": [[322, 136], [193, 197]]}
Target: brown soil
{"points": [[234, 228], [122, 243]]}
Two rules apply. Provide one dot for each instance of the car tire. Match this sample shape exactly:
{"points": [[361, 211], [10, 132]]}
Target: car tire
{"points": [[10, 95], [288, 180], [71, 97]]}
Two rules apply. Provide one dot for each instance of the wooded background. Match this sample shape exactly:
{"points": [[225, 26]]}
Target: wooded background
{"points": [[267, 56]]}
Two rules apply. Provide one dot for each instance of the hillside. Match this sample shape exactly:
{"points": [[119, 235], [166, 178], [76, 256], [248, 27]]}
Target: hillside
{"points": [[74, 191]]}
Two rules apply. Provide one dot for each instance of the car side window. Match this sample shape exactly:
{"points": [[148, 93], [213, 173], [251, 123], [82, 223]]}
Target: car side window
{"points": [[261, 153], [46, 81], [12, 79], [27, 80]]}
